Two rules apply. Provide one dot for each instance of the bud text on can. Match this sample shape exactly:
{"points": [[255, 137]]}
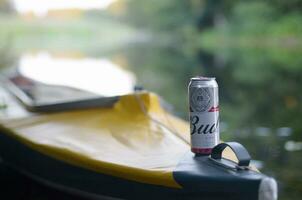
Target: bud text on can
{"points": [[204, 114]]}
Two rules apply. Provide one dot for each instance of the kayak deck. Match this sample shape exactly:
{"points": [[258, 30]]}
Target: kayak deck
{"points": [[122, 141]]}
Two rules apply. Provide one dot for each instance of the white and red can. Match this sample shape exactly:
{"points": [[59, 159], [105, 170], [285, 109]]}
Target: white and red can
{"points": [[204, 114]]}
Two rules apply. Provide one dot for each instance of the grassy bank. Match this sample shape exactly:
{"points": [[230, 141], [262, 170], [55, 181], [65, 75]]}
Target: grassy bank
{"points": [[76, 34]]}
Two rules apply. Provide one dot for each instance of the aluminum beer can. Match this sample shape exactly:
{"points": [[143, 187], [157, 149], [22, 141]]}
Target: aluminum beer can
{"points": [[204, 114]]}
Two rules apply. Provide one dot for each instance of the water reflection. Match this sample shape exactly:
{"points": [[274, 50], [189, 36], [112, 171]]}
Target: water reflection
{"points": [[284, 131], [99, 76], [293, 146]]}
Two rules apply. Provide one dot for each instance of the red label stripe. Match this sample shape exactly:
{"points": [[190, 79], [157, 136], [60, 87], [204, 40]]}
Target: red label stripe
{"points": [[214, 109], [205, 151]]}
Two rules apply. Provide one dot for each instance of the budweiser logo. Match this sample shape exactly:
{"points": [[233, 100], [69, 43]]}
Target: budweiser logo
{"points": [[202, 128]]}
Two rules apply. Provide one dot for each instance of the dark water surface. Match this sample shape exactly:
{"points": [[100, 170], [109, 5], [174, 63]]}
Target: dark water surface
{"points": [[260, 98]]}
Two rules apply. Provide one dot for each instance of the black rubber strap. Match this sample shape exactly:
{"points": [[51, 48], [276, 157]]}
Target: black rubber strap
{"points": [[239, 150]]}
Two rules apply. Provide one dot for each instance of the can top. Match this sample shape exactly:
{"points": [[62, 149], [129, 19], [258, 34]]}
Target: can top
{"points": [[202, 78]]}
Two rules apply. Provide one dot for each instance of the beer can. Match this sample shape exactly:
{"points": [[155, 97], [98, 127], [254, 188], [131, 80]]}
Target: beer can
{"points": [[204, 114]]}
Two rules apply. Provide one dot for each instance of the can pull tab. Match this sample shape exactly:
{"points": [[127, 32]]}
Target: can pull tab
{"points": [[241, 153]]}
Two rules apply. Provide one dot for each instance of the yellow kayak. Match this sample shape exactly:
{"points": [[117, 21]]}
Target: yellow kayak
{"points": [[132, 150]]}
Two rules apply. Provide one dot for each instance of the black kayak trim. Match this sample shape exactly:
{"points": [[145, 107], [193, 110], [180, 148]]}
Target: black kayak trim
{"points": [[199, 173], [199, 178]]}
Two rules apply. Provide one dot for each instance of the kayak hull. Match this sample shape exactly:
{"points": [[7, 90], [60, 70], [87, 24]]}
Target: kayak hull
{"points": [[89, 184]]}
